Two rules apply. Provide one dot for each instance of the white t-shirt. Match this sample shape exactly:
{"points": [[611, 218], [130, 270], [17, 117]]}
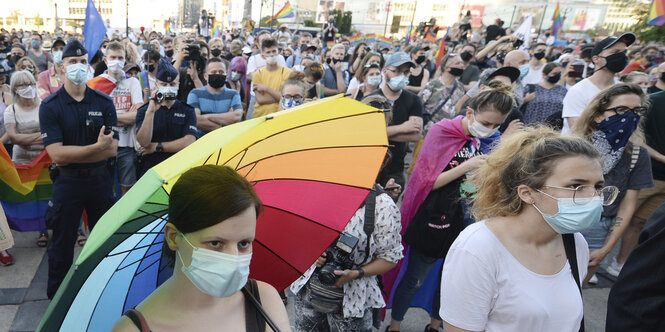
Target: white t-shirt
{"points": [[257, 62], [576, 100], [127, 92], [485, 288], [27, 122], [534, 76]]}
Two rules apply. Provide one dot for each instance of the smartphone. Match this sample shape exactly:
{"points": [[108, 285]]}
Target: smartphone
{"points": [[578, 70], [517, 43]]}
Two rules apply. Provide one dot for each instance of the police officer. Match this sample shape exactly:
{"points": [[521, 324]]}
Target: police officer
{"points": [[165, 125], [79, 130]]}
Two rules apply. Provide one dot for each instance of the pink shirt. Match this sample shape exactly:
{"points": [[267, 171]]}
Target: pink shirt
{"points": [[48, 82]]}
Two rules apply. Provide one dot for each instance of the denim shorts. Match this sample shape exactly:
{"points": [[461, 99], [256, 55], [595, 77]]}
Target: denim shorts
{"points": [[126, 167], [596, 234]]}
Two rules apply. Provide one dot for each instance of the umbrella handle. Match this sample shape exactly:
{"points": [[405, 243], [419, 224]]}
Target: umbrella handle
{"points": [[258, 307]]}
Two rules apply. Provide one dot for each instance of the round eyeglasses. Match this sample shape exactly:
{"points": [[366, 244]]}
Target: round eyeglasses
{"points": [[584, 194]]}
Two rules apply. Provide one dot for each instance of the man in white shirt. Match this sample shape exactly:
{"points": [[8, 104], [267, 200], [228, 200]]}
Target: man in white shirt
{"points": [[257, 61], [127, 98], [535, 74], [609, 57]]}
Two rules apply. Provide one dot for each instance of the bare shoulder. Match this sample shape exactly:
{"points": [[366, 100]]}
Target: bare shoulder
{"points": [[273, 305], [267, 291], [124, 324]]}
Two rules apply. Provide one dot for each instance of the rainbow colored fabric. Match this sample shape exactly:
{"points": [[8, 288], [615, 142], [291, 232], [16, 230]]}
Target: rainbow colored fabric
{"points": [[370, 38], [385, 42], [217, 30], [285, 12], [657, 13], [557, 21], [25, 191], [355, 39]]}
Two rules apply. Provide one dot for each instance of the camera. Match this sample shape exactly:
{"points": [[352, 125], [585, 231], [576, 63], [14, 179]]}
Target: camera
{"points": [[517, 43], [159, 96], [338, 257], [194, 51]]}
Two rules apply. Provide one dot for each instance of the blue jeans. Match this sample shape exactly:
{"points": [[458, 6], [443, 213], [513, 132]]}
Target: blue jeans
{"points": [[416, 271]]}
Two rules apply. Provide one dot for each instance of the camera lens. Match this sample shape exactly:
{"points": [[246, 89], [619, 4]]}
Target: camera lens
{"points": [[327, 277]]}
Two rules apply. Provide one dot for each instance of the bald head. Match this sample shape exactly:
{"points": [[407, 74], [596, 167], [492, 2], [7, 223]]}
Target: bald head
{"points": [[516, 58]]}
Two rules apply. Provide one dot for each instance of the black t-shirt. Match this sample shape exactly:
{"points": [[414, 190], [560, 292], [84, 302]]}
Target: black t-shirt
{"points": [[408, 104], [653, 132], [440, 218], [494, 31], [653, 89]]}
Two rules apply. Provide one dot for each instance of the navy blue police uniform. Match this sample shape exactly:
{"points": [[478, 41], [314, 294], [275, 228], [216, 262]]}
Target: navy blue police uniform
{"points": [[76, 186], [169, 124]]}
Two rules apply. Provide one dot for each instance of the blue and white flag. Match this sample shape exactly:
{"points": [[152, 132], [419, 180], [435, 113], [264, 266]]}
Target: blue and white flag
{"points": [[94, 30]]}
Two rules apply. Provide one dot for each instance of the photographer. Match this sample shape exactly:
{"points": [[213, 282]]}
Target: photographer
{"points": [[204, 25], [193, 58], [357, 293], [329, 31], [164, 125]]}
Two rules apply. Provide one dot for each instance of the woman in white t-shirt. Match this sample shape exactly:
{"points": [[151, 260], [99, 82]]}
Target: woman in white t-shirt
{"points": [[510, 271], [22, 125]]}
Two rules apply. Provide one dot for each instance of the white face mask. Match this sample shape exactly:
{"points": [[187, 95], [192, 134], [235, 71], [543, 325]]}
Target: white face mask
{"points": [[27, 93], [216, 273], [271, 60], [115, 66], [479, 131]]}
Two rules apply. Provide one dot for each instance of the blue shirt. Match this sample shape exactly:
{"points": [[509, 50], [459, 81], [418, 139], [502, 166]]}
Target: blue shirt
{"points": [[168, 125], [329, 79], [65, 120], [208, 102]]}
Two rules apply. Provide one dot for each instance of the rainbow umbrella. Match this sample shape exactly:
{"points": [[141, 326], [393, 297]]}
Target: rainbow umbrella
{"points": [[312, 167]]}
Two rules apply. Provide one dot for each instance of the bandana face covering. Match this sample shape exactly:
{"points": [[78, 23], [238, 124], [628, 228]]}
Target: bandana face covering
{"points": [[612, 136]]}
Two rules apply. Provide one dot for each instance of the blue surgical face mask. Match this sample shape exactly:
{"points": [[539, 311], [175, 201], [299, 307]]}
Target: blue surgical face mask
{"points": [[573, 218], [374, 81], [34, 44], [524, 70], [57, 57], [77, 73], [398, 83], [216, 273]]}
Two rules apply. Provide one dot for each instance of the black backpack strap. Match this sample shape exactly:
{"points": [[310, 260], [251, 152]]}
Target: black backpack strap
{"points": [[571, 254], [369, 222], [253, 307], [137, 318]]}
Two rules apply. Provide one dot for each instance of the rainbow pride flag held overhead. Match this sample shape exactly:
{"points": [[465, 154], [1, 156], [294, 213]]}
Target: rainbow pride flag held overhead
{"points": [[355, 39], [657, 13], [25, 191], [442, 48], [385, 42], [557, 21], [285, 12], [217, 29], [370, 38], [410, 33]]}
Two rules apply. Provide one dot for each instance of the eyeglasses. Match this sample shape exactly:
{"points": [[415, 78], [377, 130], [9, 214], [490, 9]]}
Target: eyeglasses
{"points": [[406, 73], [584, 194], [294, 97], [621, 110]]}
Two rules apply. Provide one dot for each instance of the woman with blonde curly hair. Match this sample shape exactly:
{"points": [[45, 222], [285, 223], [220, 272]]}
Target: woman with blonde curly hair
{"points": [[518, 268]]}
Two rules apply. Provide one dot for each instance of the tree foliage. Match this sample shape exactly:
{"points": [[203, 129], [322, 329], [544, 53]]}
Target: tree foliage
{"points": [[342, 20], [265, 19], [310, 23], [642, 29]]}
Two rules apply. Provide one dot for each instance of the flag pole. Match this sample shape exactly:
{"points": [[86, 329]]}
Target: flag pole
{"points": [[273, 12], [540, 27]]}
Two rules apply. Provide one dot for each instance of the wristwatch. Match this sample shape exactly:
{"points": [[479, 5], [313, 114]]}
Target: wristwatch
{"points": [[160, 147], [361, 273]]}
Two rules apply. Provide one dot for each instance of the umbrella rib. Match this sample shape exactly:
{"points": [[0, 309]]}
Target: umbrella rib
{"points": [[135, 274], [155, 203], [206, 161], [312, 149], [244, 153], [219, 153], [305, 125], [278, 256], [129, 250], [312, 180], [152, 214]]}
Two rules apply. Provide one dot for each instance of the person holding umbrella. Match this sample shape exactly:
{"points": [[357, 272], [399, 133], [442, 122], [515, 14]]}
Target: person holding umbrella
{"points": [[212, 224]]}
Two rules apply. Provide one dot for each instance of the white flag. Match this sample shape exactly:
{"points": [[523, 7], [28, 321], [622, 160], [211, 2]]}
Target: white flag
{"points": [[524, 33]]}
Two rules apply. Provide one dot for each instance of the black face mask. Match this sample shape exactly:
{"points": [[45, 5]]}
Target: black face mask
{"points": [[457, 72], [168, 53], [616, 62], [328, 60], [216, 52], [554, 79], [651, 58], [466, 56], [334, 61], [539, 55], [14, 59], [216, 81], [150, 68], [420, 59]]}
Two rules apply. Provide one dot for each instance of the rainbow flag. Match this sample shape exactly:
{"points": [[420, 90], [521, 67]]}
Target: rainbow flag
{"points": [[217, 29], [442, 48], [167, 27], [102, 83], [355, 39], [557, 21], [329, 45], [370, 38], [25, 191], [385, 42], [285, 12], [657, 13], [145, 82], [410, 33]]}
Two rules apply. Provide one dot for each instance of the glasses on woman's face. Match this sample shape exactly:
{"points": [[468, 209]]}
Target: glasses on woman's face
{"points": [[294, 97], [23, 85], [584, 194], [621, 110]]}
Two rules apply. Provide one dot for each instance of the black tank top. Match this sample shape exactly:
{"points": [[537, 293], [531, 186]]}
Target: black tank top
{"points": [[416, 80], [254, 321]]}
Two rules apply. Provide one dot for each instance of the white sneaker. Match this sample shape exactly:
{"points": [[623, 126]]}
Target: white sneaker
{"points": [[593, 280], [614, 268]]}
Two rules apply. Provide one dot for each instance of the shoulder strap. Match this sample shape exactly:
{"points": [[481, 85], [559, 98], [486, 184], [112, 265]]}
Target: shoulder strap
{"points": [[138, 319], [250, 290], [571, 254], [635, 154]]}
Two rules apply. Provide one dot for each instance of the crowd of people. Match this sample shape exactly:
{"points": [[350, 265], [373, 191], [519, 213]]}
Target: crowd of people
{"points": [[528, 164]]}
